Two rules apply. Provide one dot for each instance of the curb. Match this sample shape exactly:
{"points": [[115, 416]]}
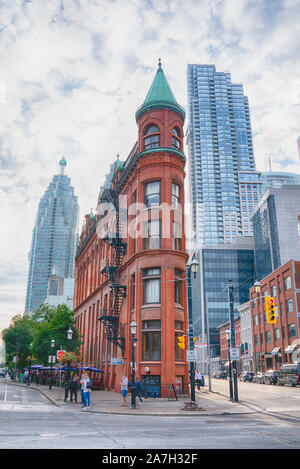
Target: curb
{"points": [[35, 388], [137, 413]]}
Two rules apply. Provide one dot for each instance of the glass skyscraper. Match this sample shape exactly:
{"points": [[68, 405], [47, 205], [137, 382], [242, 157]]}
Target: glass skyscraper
{"points": [[54, 238], [221, 156], [217, 265]]}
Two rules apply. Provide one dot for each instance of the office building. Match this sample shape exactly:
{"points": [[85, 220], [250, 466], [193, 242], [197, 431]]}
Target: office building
{"points": [[60, 291], [54, 238], [276, 229], [219, 264], [277, 179]]}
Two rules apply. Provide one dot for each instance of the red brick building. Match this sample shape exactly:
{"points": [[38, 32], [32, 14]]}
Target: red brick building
{"points": [[131, 258], [224, 357], [275, 344]]}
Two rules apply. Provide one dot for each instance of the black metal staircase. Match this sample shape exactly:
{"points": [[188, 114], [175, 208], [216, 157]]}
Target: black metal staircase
{"points": [[114, 331]]}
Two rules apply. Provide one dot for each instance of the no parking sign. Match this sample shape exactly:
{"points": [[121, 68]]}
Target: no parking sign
{"points": [[59, 353]]}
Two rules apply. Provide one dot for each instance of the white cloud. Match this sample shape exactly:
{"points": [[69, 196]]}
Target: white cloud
{"points": [[75, 72]]}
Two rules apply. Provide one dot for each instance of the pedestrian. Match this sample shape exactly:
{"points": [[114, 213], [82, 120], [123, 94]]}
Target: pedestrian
{"points": [[138, 389], [87, 385], [81, 392], [74, 388], [26, 377], [37, 378], [67, 389], [124, 389], [198, 379]]}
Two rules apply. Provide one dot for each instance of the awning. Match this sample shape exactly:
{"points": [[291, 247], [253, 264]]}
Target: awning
{"points": [[291, 348], [275, 350]]}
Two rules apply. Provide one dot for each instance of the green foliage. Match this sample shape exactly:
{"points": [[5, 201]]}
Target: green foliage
{"points": [[18, 337], [45, 324]]}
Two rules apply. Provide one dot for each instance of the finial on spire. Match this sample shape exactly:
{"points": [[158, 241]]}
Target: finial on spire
{"points": [[62, 164], [159, 63]]}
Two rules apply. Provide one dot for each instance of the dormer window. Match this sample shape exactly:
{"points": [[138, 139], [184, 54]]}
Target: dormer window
{"points": [[151, 137], [176, 138]]}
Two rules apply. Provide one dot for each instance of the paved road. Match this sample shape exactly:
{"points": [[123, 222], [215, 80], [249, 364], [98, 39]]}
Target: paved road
{"points": [[29, 420], [269, 398]]}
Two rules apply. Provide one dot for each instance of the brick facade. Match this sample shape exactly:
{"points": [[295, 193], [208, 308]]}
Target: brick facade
{"points": [[163, 265], [271, 341]]}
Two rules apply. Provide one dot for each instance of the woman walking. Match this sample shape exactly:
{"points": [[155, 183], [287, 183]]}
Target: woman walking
{"points": [[86, 391]]}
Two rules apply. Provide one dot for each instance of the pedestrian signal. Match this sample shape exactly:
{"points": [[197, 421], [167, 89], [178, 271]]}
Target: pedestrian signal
{"points": [[181, 342], [270, 310]]}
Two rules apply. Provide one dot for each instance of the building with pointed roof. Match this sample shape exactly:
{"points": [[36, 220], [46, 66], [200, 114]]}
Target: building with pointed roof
{"points": [[130, 261], [54, 238]]}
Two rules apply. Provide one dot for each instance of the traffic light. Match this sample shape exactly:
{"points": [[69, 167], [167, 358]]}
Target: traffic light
{"points": [[270, 310], [181, 342]]}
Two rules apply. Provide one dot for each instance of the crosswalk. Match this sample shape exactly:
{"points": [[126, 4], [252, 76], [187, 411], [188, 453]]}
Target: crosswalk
{"points": [[16, 398]]}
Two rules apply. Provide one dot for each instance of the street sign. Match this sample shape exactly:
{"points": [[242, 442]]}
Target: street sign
{"points": [[117, 361], [199, 344], [59, 353], [191, 355], [234, 354]]}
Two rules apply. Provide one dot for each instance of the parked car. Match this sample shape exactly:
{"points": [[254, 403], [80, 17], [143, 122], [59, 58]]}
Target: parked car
{"points": [[247, 376], [289, 374], [259, 378], [2, 372], [270, 377], [220, 375]]}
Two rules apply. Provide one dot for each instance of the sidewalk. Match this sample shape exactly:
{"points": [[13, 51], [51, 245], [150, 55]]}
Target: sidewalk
{"points": [[110, 402]]}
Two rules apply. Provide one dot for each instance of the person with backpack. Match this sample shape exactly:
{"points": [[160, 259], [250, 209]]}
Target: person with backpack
{"points": [[87, 386], [74, 388]]}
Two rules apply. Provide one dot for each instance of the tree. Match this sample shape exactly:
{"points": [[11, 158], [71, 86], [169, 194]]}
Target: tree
{"points": [[17, 338], [47, 323], [53, 323]]}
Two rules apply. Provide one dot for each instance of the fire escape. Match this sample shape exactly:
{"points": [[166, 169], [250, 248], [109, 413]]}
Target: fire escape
{"points": [[114, 331]]}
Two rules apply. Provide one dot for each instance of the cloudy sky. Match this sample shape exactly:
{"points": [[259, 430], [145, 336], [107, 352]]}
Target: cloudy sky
{"points": [[73, 72]]}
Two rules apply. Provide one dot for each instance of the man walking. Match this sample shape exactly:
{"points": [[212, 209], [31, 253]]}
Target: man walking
{"points": [[124, 389], [138, 389]]}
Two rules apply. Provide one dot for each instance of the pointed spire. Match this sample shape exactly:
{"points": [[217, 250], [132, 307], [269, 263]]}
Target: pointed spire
{"points": [[160, 95], [62, 164]]}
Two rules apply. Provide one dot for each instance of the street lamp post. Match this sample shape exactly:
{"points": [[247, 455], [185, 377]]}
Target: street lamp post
{"points": [[69, 336], [133, 327], [228, 334], [231, 315], [192, 267], [51, 361], [231, 292], [30, 356], [257, 287]]}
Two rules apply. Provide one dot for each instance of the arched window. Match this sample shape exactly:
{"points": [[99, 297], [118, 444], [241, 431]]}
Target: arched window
{"points": [[151, 137], [176, 138]]}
